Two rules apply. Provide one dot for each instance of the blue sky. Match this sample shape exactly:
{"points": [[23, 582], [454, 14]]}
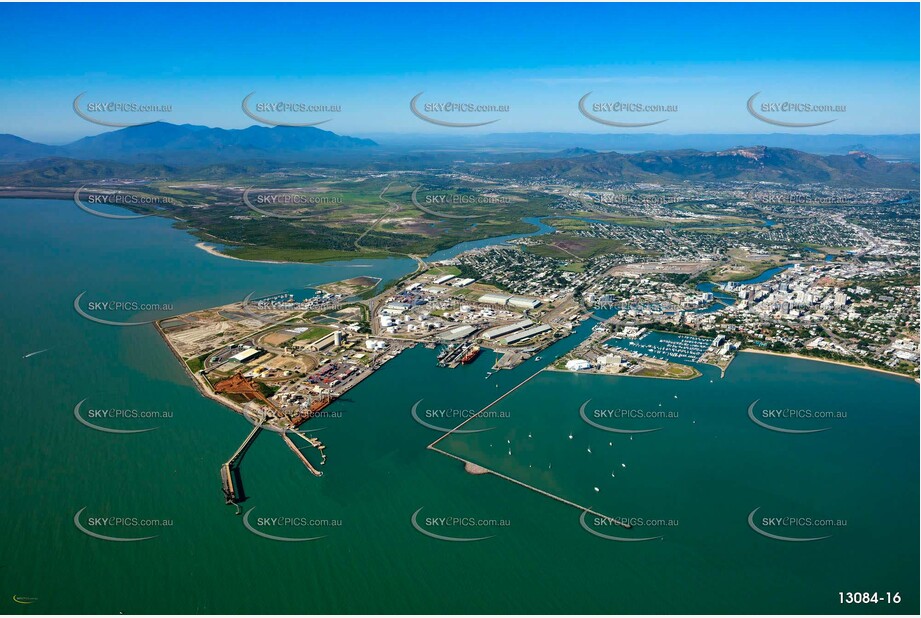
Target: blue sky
{"points": [[371, 59]]}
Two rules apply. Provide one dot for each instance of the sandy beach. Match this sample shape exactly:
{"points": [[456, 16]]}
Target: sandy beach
{"points": [[828, 360], [213, 251]]}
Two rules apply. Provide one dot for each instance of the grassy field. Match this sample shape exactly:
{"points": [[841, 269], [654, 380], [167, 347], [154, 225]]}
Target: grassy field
{"points": [[196, 364], [574, 267], [439, 271], [741, 269], [568, 247], [314, 333], [672, 370], [565, 224]]}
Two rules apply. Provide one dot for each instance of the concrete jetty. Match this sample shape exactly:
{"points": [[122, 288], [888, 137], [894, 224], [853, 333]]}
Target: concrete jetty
{"points": [[230, 476], [300, 455]]}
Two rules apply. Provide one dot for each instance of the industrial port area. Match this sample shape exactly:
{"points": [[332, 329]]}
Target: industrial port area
{"points": [[277, 361], [662, 299], [280, 360], [439, 307]]}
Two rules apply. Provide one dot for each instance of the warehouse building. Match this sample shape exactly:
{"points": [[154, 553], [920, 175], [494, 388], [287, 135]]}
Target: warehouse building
{"points": [[500, 331], [526, 334], [495, 299], [246, 355], [524, 302], [457, 333]]}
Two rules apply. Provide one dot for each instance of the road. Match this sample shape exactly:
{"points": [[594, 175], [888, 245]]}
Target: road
{"points": [[394, 208]]}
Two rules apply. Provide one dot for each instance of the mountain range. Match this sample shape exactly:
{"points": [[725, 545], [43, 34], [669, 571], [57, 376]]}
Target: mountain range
{"points": [[753, 164], [166, 150], [162, 142], [903, 147]]}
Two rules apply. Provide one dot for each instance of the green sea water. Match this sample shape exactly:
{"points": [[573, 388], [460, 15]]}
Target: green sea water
{"points": [[704, 470]]}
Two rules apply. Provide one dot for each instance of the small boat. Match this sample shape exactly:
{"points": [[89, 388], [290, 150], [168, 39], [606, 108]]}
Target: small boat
{"points": [[529, 435], [510, 451], [596, 489], [589, 449], [623, 465], [570, 436]]}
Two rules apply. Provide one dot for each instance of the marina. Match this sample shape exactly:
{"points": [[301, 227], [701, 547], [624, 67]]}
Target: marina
{"points": [[667, 346]]}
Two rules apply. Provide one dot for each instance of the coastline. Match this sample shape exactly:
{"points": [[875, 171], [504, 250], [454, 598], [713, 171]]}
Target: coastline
{"points": [[67, 194], [347, 257], [833, 362], [211, 250], [197, 381]]}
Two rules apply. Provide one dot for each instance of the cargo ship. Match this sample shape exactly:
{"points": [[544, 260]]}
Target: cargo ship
{"points": [[471, 355]]}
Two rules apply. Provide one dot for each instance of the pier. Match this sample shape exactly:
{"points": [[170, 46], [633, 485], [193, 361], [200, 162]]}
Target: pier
{"points": [[453, 357], [230, 474], [300, 455], [475, 468], [478, 469], [488, 406]]}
